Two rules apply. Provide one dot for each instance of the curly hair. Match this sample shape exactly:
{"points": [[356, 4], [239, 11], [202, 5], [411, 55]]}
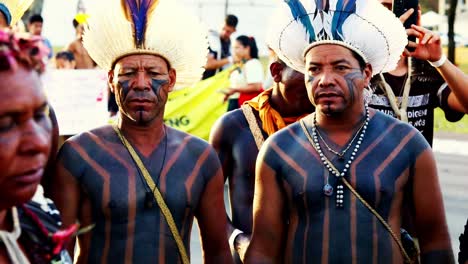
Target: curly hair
{"points": [[21, 50]]}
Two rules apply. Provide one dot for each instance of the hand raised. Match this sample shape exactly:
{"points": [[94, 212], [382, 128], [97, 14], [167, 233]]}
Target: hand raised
{"points": [[428, 47]]}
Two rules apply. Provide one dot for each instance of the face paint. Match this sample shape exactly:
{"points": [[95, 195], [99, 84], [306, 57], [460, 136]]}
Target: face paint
{"points": [[156, 86], [328, 111], [351, 85], [140, 120], [125, 87]]}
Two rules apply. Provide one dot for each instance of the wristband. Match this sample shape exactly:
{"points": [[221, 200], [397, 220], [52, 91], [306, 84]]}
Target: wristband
{"points": [[440, 62], [233, 236]]}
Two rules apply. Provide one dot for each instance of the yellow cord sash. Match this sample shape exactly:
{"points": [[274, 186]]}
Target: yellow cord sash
{"points": [[157, 195]]}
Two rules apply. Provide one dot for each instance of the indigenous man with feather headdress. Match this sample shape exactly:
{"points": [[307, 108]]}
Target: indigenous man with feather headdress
{"points": [[140, 182], [238, 135], [331, 187]]}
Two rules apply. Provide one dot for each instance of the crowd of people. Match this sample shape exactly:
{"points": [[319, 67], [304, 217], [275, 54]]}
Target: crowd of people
{"points": [[332, 163]]}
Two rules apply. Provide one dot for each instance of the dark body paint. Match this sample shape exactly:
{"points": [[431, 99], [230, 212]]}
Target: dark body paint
{"points": [[113, 194], [317, 231], [238, 152]]}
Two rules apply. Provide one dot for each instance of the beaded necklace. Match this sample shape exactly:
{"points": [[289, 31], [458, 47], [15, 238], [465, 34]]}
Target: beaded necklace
{"points": [[314, 141]]}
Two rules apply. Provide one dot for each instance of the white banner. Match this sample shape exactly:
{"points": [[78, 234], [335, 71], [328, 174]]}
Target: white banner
{"points": [[79, 98]]}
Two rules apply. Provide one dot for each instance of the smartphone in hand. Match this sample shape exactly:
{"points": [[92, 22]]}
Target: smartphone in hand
{"points": [[400, 7]]}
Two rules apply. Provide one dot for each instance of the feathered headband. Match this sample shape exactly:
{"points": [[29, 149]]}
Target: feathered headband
{"points": [[364, 26], [14, 9], [160, 27]]}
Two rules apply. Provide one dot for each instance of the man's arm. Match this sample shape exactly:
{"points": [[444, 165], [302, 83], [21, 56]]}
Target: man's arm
{"points": [[221, 140], [268, 216], [430, 48], [213, 64], [65, 192], [429, 214], [210, 218]]}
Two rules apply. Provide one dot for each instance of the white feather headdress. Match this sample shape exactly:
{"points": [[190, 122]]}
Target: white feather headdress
{"points": [[14, 9], [364, 26], [161, 27]]}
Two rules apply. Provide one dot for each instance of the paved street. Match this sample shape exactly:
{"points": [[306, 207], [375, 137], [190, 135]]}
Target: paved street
{"points": [[452, 163]]}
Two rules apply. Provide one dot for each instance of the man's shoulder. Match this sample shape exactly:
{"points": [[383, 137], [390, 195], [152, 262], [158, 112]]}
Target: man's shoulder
{"points": [[214, 40], [382, 119], [233, 120], [289, 135], [83, 139], [181, 138], [98, 132], [72, 46], [397, 132], [230, 124]]}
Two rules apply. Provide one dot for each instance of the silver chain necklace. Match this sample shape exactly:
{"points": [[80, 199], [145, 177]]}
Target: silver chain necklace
{"points": [[341, 153]]}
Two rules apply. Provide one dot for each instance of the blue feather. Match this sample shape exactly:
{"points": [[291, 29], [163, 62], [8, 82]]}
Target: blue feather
{"points": [[299, 13], [343, 9], [139, 11]]}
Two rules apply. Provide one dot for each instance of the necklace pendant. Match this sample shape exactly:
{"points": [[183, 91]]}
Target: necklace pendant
{"points": [[340, 196], [328, 190]]}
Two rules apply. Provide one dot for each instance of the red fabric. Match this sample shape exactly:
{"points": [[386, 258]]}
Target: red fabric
{"points": [[248, 96]]}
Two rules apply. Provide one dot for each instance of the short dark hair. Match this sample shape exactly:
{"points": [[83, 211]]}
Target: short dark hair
{"points": [[36, 18], [75, 23], [249, 42], [362, 63], [231, 20], [65, 55]]}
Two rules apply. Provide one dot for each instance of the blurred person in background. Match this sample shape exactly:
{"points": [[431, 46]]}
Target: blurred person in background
{"points": [[219, 57], [247, 77], [423, 80], [35, 25], [64, 60], [82, 58]]}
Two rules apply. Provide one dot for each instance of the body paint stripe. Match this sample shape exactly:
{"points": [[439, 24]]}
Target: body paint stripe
{"points": [[105, 196]]}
